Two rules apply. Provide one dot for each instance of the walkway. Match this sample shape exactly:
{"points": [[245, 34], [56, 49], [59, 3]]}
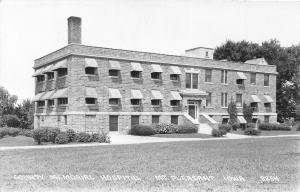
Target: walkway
{"points": [[118, 139]]}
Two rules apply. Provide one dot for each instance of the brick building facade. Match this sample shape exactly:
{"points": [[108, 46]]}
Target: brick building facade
{"points": [[94, 89]]}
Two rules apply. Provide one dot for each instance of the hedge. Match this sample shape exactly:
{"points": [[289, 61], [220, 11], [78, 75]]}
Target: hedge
{"points": [[142, 130], [165, 128], [274, 127], [187, 129], [251, 131], [218, 132], [226, 127]]}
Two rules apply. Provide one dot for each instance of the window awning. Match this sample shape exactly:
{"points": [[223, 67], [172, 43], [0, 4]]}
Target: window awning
{"points": [[114, 93], [89, 62], [175, 96], [60, 93], [114, 65], [241, 119], [156, 95], [38, 72], [225, 117], [255, 99], [241, 75], [60, 65], [156, 68], [47, 95], [175, 70], [268, 99], [136, 94], [91, 92], [38, 96], [48, 69], [136, 66]]}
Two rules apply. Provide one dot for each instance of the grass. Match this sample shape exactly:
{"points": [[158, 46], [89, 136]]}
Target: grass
{"points": [[269, 133], [249, 158], [191, 135], [16, 141]]}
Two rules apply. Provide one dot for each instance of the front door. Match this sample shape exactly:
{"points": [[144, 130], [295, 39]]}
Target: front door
{"points": [[193, 109], [113, 123]]}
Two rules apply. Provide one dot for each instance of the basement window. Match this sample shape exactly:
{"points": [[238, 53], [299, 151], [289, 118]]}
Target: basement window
{"points": [[240, 81], [90, 101], [135, 74], [155, 102], [62, 101], [174, 103], [113, 101], [156, 76], [174, 77], [90, 70], [113, 73], [62, 72], [135, 102], [50, 76], [50, 103]]}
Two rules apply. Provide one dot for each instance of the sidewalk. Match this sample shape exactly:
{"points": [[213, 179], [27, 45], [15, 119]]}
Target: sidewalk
{"points": [[118, 139]]}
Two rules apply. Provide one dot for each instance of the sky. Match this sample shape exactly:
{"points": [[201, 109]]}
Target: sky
{"points": [[30, 29]]}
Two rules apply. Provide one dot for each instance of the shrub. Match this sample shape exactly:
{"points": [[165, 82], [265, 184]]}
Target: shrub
{"points": [[61, 138], [235, 126], [13, 132], [142, 130], [226, 127], [218, 133], [40, 135], [51, 134], [251, 125], [12, 120], [274, 127], [84, 137], [26, 132], [3, 132], [251, 131], [165, 128], [187, 129], [100, 137], [71, 135], [298, 127]]}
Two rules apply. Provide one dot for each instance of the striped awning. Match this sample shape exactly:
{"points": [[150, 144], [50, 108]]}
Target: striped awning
{"points": [[89, 62], [175, 96], [38, 96], [268, 99], [38, 72], [136, 94], [60, 93], [255, 99], [175, 70], [91, 92], [60, 65], [241, 75], [114, 93], [114, 65], [48, 69], [156, 68], [241, 119], [136, 66], [156, 95], [48, 95]]}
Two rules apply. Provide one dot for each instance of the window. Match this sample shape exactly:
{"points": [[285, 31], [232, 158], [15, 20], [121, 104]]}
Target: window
{"points": [[223, 99], [174, 77], [50, 76], [135, 120], [135, 102], [268, 107], [58, 118], [206, 53], [240, 81], [267, 118], [225, 120], [174, 119], [62, 101], [41, 103], [90, 70], [135, 74], [224, 76], [90, 101], [208, 100], [62, 72], [266, 80], [239, 100], [113, 101], [50, 103], [254, 106], [113, 73], [155, 102], [191, 80], [156, 75], [208, 73], [253, 78], [174, 103], [155, 119], [40, 78], [66, 119]]}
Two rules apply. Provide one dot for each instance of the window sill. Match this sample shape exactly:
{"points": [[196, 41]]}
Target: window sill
{"points": [[63, 105], [208, 82], [156, 79], [156, 106], [135, 105], [114, 77], [175, 81], [210, 107], [224, 107], [266, 86], [224, 83], [62, 77], [50, 80], [40, 107], [91, 105], [90, 75], [135, 78], [113, 105], [174, 106], [252, 84]]}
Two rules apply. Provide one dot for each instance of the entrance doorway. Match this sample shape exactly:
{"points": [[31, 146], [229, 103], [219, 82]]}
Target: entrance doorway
{"points": [[193, 109], [113, 123]]}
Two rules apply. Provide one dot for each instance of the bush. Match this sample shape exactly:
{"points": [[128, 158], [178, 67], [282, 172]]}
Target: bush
{"points": [[218, 133], [26, 132], [71, 135], [12, 120], [100, 137], [13, 132], [251, 125], [251, 131], [61, 138], [235, 126], [274, 127], [40, 135], [51, 134], [84, 137], [165, 128], [3, 132], [142, 130], [187, 129], [225, 127], [298, 127]]}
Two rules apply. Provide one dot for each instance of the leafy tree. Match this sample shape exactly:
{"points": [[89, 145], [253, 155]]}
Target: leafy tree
{"points": [[7, 102], [232, 111], [25, 111], [248, 112]]}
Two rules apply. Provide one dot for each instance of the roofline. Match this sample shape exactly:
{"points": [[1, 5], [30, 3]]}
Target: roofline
{"points": [[199, 47]]}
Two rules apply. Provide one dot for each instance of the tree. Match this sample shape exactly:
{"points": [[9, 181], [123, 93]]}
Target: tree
{"points": [[248, 112], [25, 112], [232, 111], [7, 102]]}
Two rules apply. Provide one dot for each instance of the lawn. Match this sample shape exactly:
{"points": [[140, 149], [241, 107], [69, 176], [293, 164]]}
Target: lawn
{"points": [[191, 135], [16, 141], [160, 166], [270, 133]]}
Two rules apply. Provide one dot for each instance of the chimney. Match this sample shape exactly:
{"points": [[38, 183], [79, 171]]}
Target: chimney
{"points": [[74, 30]]}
